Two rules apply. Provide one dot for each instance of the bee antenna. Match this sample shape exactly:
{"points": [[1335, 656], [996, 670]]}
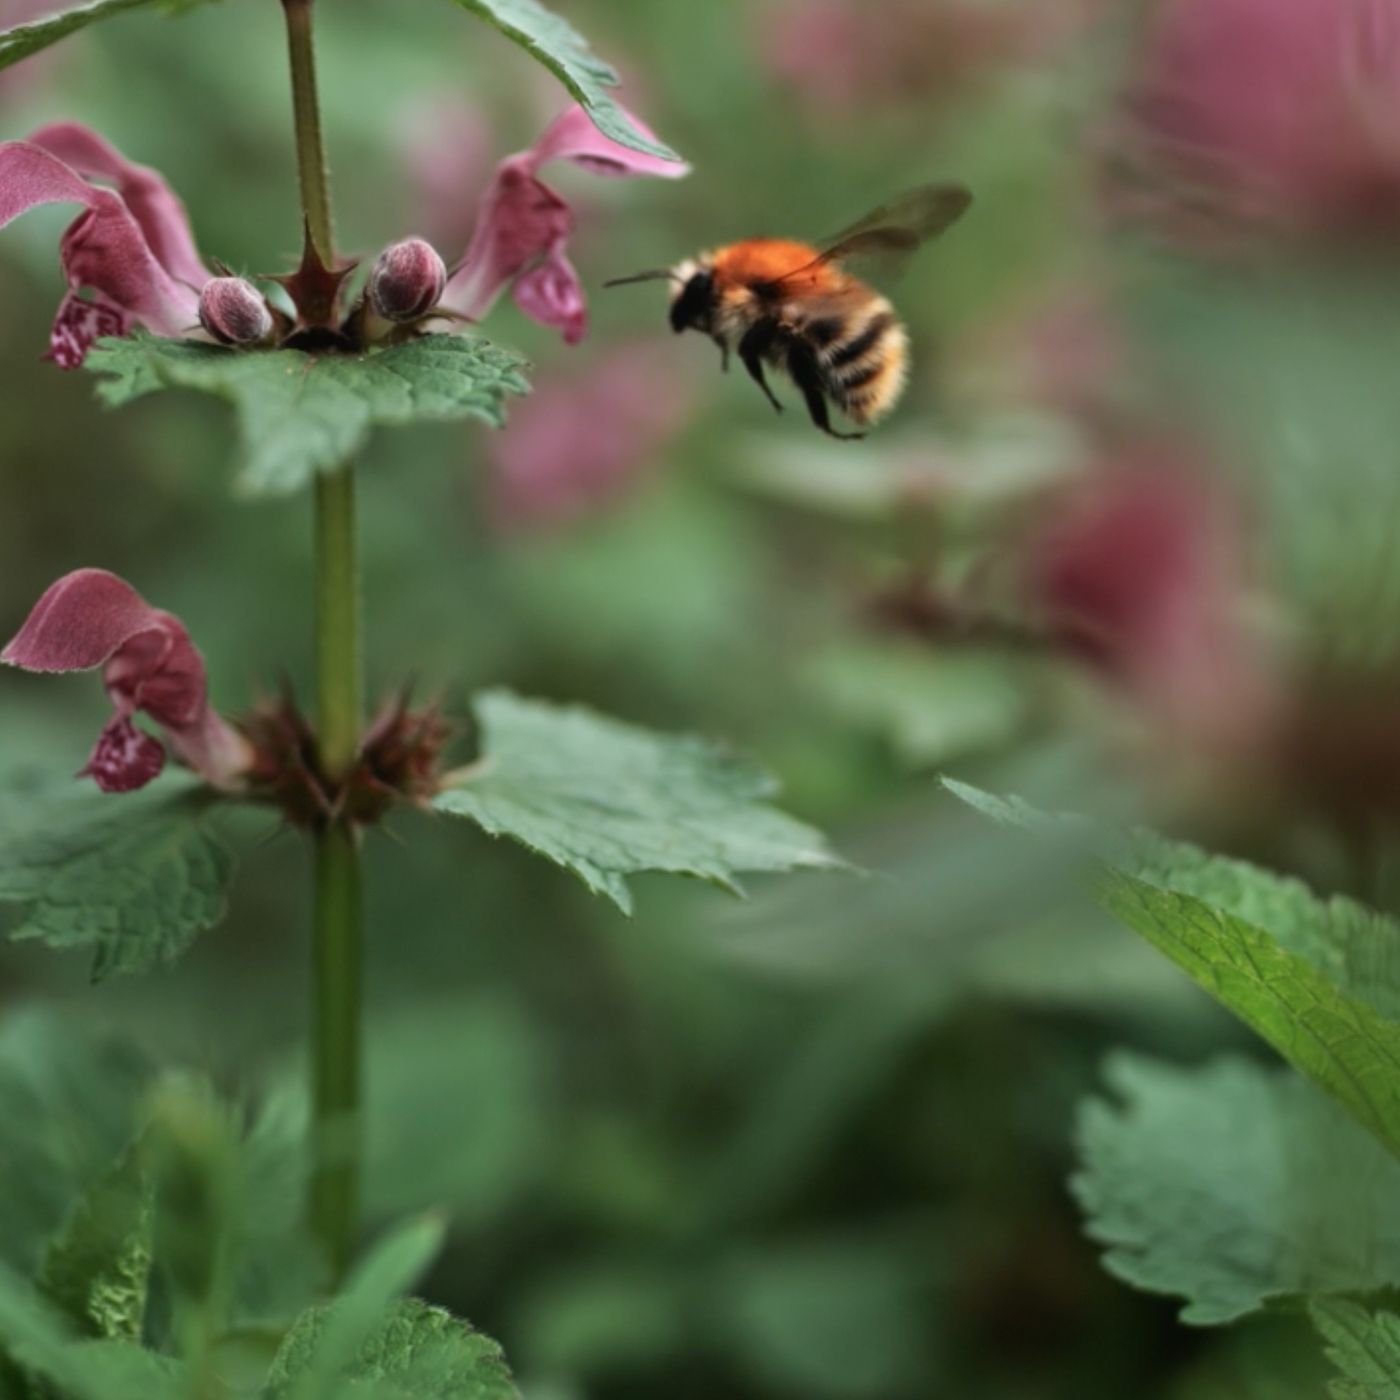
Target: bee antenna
{"points": [[657, 274]]}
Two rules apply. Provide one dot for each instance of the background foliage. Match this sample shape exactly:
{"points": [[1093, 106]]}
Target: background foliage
{"points": [[817, 1144]]}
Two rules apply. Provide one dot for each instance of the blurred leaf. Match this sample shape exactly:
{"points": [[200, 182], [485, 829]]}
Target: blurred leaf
{"points": [[1285, 975], [606, 799], [1364, 1346], [67, 1105], [844, 1317], [98, 1267], [1234, 1186], [134, 878], [299, 414], [107, 1370], [553, 42], [325, 1345], [931, 705], [26, 39]]}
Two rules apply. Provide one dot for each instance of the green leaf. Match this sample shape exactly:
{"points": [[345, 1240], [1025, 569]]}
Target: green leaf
{"points": [[108, 1370], [607, 800], [1364, 1346], [68, 1099], [1315, 978], [134, 878], [97, 1269], [417, 1353], [1234, 1186], [556, 44], [325, 1343], [299, 414], [27, 39]]}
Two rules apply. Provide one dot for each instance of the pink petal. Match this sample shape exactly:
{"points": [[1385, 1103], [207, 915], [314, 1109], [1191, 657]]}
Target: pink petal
{"points": [[79, 325], [153, 204], [104, 249], [551, 294], [521, 220], [572, 136], [124, 758], [92, 618]]}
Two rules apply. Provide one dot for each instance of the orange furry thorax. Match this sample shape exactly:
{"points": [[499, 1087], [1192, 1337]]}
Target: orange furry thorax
{"points": [[770, 259]]}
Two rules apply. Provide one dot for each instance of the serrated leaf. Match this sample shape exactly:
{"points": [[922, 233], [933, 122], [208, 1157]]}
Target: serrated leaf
{"points": [[134, 878], [554, 42], [1364, 1346], [607, 800], [24, 40], [1311, 976], [299, 414], [1234, 1186], [35, 1336], [97, 1268], [416, 1353], [325, 1343]]}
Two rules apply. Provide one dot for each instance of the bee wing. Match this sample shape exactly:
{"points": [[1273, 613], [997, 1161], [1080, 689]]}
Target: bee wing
{"points": [[890, 234]]}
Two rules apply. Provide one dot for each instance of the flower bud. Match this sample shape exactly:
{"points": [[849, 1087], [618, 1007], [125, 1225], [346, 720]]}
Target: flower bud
{"points": [[407, 280], [234, 312]]}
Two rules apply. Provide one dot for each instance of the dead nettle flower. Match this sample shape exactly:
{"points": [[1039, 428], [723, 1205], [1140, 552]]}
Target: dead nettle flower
{"points": [[581, 440], [407, 281], [131, 247], [234, 312], [1140, 571], [1250, 116], [92, 618], [523, 226]]}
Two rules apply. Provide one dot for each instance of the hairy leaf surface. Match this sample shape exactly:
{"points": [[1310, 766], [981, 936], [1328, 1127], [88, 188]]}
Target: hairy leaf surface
{"points": [[1365, 1348], [299, 414], [607, 800]]}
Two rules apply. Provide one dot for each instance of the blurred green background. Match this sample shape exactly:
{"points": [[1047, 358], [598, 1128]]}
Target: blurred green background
{"points": [[814, 1144]]}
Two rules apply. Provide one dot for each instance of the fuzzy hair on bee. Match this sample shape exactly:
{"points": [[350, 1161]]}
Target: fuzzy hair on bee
{"points": [[798, 308]]}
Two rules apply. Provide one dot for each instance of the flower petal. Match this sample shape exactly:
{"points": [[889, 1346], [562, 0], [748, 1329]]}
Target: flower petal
{"points": [[92, 618], [521, 220], [104, 249], [572, 136], [79, 325], [153, 204], [124, 758], [551, 294]]}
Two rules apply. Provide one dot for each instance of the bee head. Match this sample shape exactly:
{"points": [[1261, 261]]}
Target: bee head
{"points": [[692, 297]]}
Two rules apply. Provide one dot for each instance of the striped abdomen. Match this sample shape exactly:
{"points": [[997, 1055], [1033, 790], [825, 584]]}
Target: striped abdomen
{"points": [[864, 357]]}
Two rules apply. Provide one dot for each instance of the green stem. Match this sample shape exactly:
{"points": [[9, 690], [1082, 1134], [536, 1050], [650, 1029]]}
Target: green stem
{"points": [[306, 113], [337, 936]]}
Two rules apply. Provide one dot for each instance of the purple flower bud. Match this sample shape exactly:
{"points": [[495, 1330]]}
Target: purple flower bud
{"points": [[234, 312], [407, 280]]}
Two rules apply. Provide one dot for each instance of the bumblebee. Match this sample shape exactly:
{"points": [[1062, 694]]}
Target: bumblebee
{"points": [[798, 308]]}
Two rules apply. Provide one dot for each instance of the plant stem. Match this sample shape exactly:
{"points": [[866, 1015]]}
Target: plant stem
{"points": [[306, 113], [337, 937]]}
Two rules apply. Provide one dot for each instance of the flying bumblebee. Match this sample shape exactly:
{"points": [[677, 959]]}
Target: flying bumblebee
{"points": [[796, 307]]}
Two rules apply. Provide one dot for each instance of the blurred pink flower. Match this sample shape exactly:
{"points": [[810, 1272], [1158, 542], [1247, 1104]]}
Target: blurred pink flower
{"points": [[1265, 116], [131, 247], [523, 226], [843, 53], [578, 442], [446, 148], [92, 618], [25, 77], [1140, 571]]}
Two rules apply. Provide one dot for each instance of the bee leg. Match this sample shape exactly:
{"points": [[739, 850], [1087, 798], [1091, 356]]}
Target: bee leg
{"points": [[758, 339], [723, 354], [806, 374]]}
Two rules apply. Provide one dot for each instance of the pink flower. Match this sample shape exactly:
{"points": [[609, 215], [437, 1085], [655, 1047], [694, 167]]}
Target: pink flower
{"points": [[92, 618], [839, 54], [1252, 114], [523, 226], [131, 247], [577, 442], [1140, 571]]}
